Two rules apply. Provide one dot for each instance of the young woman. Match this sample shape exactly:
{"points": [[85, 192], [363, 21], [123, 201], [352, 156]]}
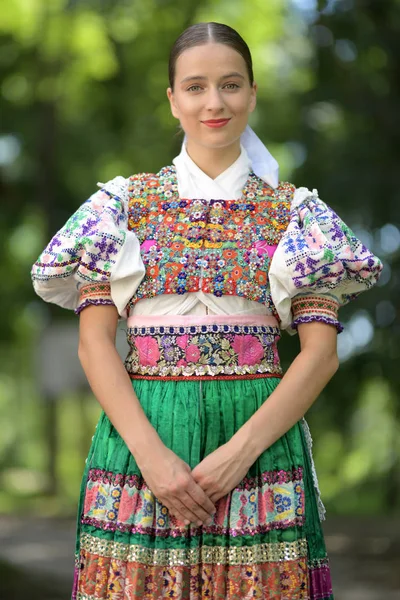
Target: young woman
{"points": [[199, 482]]}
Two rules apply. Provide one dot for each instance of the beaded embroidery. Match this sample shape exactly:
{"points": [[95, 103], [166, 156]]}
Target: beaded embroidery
{"points": [[222, 247]]}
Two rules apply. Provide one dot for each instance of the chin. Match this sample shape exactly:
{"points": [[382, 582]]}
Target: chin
{"points": [[217, 139]]}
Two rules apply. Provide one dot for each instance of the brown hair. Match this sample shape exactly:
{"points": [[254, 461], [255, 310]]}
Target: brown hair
{"points": [[203, 33]]}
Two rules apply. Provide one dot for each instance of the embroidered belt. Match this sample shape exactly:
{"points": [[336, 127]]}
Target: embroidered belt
{"points": [[203, 347]]}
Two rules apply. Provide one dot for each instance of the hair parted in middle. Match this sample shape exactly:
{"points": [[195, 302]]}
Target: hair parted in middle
{"points": [[204, 33]]}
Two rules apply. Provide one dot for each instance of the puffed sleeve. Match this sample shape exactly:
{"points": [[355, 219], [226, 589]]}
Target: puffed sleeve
{"points": [[94, 258], [319, 265]]}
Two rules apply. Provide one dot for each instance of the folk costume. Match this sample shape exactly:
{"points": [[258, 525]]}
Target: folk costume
{"points": [[207, 273]]}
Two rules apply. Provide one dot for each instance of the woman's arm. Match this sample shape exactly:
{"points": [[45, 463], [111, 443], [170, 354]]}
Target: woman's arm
{"points": [[307, 376], [166, 474], [301, 385]]}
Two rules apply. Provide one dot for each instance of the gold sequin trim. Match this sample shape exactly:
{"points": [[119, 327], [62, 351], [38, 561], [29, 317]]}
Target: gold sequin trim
{"points": [[217, 555]]}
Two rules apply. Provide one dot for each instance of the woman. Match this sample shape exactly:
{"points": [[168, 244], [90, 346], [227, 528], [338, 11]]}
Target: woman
{"points": [[199, 482]]}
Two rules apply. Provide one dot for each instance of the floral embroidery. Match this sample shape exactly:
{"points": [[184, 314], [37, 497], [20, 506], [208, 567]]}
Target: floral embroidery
{"points": [[218, 246], [148, 350], [115, 502], [208, 351], [249, 349]]}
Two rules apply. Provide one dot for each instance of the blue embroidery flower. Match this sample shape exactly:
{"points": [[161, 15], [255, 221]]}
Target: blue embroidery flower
{"points": [[282, 503]]}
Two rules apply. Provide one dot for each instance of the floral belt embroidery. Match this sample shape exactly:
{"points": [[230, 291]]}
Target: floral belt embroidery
{"points": [[203, 352]]}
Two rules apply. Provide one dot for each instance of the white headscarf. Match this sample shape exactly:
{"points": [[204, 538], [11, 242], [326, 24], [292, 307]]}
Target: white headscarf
{"points": [[263, 163]]}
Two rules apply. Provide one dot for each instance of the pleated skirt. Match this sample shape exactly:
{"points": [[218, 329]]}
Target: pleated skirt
{"points": [[265, 539]]}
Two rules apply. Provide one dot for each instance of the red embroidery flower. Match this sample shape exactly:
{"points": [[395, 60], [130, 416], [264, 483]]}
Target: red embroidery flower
{"points": [[248, 348], [261, 277], [236, 273], [128, 504], [90, 498], [192, 353], [182, 341], [148, 350], [229, 254]]}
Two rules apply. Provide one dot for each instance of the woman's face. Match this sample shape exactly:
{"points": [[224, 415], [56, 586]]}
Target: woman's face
{"points": [[212, 84]]}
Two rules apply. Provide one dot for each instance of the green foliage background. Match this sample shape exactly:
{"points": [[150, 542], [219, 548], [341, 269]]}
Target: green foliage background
{"points": [[83, 100]]}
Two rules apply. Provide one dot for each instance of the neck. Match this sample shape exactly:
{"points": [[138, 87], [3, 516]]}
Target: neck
{"points": [[213, 161]]}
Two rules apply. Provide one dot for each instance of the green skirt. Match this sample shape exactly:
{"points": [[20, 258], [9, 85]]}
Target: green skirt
{"points": [[265, 540]]}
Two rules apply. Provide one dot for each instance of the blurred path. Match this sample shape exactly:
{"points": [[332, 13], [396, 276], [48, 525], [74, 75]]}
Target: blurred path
{"points": [[364, 553]]}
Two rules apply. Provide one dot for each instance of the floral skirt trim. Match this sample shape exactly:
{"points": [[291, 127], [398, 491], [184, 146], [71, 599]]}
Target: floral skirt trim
{"points": [[209, 349], [275, 500]]}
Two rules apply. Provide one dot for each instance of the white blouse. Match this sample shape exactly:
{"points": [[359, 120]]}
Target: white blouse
{"points": [[194, 183], [318, 266]]}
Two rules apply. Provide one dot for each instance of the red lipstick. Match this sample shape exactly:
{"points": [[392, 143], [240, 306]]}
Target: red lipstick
{"points": [[216, 122]]}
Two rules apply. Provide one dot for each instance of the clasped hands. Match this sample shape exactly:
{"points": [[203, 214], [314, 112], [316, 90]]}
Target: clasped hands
{"points": [[190, 495]]}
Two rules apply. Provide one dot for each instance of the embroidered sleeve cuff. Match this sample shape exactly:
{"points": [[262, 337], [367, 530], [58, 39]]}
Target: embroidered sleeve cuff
{"points": [[320, 308], [94, 293]]}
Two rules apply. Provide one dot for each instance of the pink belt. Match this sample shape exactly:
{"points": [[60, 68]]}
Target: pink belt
{"points": [[181, 347]]}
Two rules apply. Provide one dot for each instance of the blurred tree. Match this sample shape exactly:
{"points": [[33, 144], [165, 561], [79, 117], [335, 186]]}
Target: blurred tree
{"points": [[83, 100]]}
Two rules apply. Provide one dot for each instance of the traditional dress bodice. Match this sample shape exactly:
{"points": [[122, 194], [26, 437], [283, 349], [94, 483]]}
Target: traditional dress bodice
{"points": [[179, 242]]}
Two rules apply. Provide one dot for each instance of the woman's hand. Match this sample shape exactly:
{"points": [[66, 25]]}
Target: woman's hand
{"points": [[171, 481], [222, 470]]}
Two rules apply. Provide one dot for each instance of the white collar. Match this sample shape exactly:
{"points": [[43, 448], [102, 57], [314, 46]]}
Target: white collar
{"points": [[228, 185]]}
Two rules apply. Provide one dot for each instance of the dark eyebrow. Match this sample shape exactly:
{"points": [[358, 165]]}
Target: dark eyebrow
{"points": [[202, 78]]}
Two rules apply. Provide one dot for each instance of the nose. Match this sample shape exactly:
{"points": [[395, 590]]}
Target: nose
{"points": [[214, 102]]}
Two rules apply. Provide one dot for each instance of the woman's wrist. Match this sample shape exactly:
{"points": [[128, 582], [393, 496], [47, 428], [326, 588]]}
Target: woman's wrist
{"points": [[245, 445], [143, 445]]}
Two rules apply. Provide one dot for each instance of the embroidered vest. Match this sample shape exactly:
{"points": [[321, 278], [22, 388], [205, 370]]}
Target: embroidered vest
{"points": [[221, 247]]}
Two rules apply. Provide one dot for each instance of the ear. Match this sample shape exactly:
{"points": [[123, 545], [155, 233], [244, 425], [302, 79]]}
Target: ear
{"points": [[174, 108], [253, 97]]}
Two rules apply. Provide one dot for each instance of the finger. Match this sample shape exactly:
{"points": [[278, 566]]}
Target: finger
{"points": [[215, 497], [177, 512], [185, 513], [200, 497], [202, 516]]}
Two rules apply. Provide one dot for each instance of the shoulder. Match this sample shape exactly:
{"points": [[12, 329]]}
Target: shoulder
{"points": [[286, 190], [141, 184], [296, 196], [138, 184]]}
